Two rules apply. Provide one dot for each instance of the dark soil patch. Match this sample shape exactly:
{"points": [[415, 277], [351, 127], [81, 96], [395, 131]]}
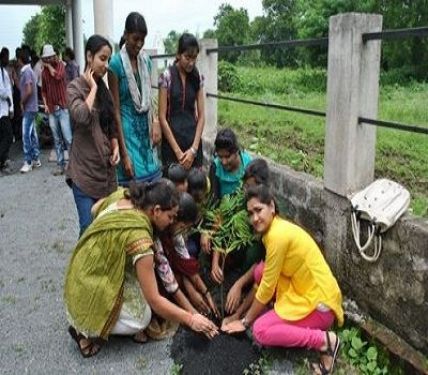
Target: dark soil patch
{"points": [[224, 354]]}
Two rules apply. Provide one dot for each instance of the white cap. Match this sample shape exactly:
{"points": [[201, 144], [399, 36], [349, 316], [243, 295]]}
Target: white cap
{"points": [[48, 51]]}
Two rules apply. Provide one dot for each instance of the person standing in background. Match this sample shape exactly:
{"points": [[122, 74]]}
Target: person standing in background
{"points": [[54, 99], [94, 154], [130, 85], [15, 73], [71, 66], [6, 110], [29, 107], [181, 107]]}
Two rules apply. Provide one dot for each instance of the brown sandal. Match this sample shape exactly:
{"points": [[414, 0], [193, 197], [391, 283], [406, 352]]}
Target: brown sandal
{"points": [[87, 351], [140, 337], [331, 352]]}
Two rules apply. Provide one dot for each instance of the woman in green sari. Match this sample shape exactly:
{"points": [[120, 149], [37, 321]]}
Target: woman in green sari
{"points": [[110, 285]]}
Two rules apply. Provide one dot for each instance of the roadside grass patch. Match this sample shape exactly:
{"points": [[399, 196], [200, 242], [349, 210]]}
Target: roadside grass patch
{"points": [[297, 140]]}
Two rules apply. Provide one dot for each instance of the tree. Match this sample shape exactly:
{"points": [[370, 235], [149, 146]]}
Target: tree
{"points": [[46, 27], [408, 55], [233, 29], [312, 21], [170, 43], [209, 34], [31, 29], [277, 24]]}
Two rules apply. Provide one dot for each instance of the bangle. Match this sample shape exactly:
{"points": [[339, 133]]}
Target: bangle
{"points": [[194, 152], [244, 322]]}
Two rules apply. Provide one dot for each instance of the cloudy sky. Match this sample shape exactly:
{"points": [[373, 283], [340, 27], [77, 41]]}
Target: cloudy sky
{"points": [[194, 15]]}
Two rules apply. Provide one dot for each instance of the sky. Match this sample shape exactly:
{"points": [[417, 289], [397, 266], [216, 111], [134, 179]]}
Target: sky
{"points": [[196, 16]]}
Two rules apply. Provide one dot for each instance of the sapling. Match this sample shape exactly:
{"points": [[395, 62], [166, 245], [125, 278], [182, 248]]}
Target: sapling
{"points": [[229, 229]]}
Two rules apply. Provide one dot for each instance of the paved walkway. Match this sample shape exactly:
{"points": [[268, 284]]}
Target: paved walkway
{"points": [[38, 229]]}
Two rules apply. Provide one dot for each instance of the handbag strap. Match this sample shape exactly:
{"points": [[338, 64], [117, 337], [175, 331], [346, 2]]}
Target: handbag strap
{"points": [[371, 237]]}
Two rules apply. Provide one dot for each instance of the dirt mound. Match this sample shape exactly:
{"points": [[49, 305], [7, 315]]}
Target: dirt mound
{"points": [[223, 355]]}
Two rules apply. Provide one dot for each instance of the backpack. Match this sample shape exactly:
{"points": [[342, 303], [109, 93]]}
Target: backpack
{"points": [[380, 204]]}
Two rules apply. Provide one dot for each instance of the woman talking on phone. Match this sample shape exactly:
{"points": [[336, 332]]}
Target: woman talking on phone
{"points": [[91, 171]]}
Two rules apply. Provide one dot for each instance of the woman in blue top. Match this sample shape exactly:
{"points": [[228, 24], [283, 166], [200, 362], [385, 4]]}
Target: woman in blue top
{"points": [[130, 86], [226, 173], [229, 165]]}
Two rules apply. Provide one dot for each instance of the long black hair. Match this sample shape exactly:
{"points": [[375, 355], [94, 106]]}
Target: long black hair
{"points": [[188, 43], [135, 23], [103, 98], [259, 170], [144, 195], [177, 173], [226, 140], [187, 209]]}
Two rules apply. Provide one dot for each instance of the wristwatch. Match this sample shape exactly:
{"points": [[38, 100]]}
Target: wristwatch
{"points": [[194, 152]]}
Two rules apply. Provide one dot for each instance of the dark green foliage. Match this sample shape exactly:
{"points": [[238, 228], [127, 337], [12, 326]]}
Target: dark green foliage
{"points": [[47, 27], [31, 29], [233, 29], [301, 19], [228, 224], [170, 43], [228, 78]]}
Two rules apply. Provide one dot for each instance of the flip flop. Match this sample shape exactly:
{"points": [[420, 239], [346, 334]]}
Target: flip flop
{"points": [[331, 352], [88, 350]]}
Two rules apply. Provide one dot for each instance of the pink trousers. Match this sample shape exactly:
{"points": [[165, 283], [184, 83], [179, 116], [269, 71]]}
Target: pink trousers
{"points": [[310, 332]]}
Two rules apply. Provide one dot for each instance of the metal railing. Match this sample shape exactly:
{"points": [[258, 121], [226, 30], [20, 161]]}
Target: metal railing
{"points": [[323, 41]]}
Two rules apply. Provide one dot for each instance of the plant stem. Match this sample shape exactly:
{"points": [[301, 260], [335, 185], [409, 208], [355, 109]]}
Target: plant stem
{"points": [[222, 287]]}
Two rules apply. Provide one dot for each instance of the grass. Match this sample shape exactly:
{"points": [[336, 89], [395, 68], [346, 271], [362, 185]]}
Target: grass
{"points": [[401, 156]]}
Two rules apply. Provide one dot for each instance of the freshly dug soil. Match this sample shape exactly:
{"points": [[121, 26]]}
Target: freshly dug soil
{"points": [[225, 354]]}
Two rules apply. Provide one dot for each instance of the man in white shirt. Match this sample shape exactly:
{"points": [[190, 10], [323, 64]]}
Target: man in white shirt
{"points": [[6, 110]]}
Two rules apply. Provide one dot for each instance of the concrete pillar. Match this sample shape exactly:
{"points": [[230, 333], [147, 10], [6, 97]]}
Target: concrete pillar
{"points": [[103, 19], [155, 64], [79, 49], [352, 91], [207, 65], [69, 23]]}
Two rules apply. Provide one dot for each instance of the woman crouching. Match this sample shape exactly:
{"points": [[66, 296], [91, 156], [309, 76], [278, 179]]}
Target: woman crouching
{"points": [[307, 298], [110, 285]]}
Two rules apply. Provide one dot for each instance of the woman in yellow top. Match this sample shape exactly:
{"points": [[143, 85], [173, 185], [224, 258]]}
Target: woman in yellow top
{"points": [[299, 280]]}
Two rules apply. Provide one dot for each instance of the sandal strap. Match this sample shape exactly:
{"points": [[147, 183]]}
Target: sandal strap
{"points": [[323, 369], [329, 349]]}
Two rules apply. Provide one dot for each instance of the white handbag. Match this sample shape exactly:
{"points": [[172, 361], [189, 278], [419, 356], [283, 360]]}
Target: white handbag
{"points": [[380, 204]]}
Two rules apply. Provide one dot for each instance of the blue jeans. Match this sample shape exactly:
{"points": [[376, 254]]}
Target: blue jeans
{"points": [[84, 204], [59, 122], [30, 141]]}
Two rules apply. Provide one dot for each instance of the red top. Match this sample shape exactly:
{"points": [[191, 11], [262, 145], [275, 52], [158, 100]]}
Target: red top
{"points": [[54, 87]]}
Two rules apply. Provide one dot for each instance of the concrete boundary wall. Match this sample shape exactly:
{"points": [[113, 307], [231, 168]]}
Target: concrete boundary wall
{"points": [[393, 290]]}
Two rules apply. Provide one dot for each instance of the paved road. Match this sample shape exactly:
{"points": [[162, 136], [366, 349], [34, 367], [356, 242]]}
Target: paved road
{"points": [[38, 229]]}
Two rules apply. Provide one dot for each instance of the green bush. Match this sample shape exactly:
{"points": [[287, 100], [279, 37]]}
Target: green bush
{"points": [[368, 357], [397, 77], [228, 78], [264, 80]]}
